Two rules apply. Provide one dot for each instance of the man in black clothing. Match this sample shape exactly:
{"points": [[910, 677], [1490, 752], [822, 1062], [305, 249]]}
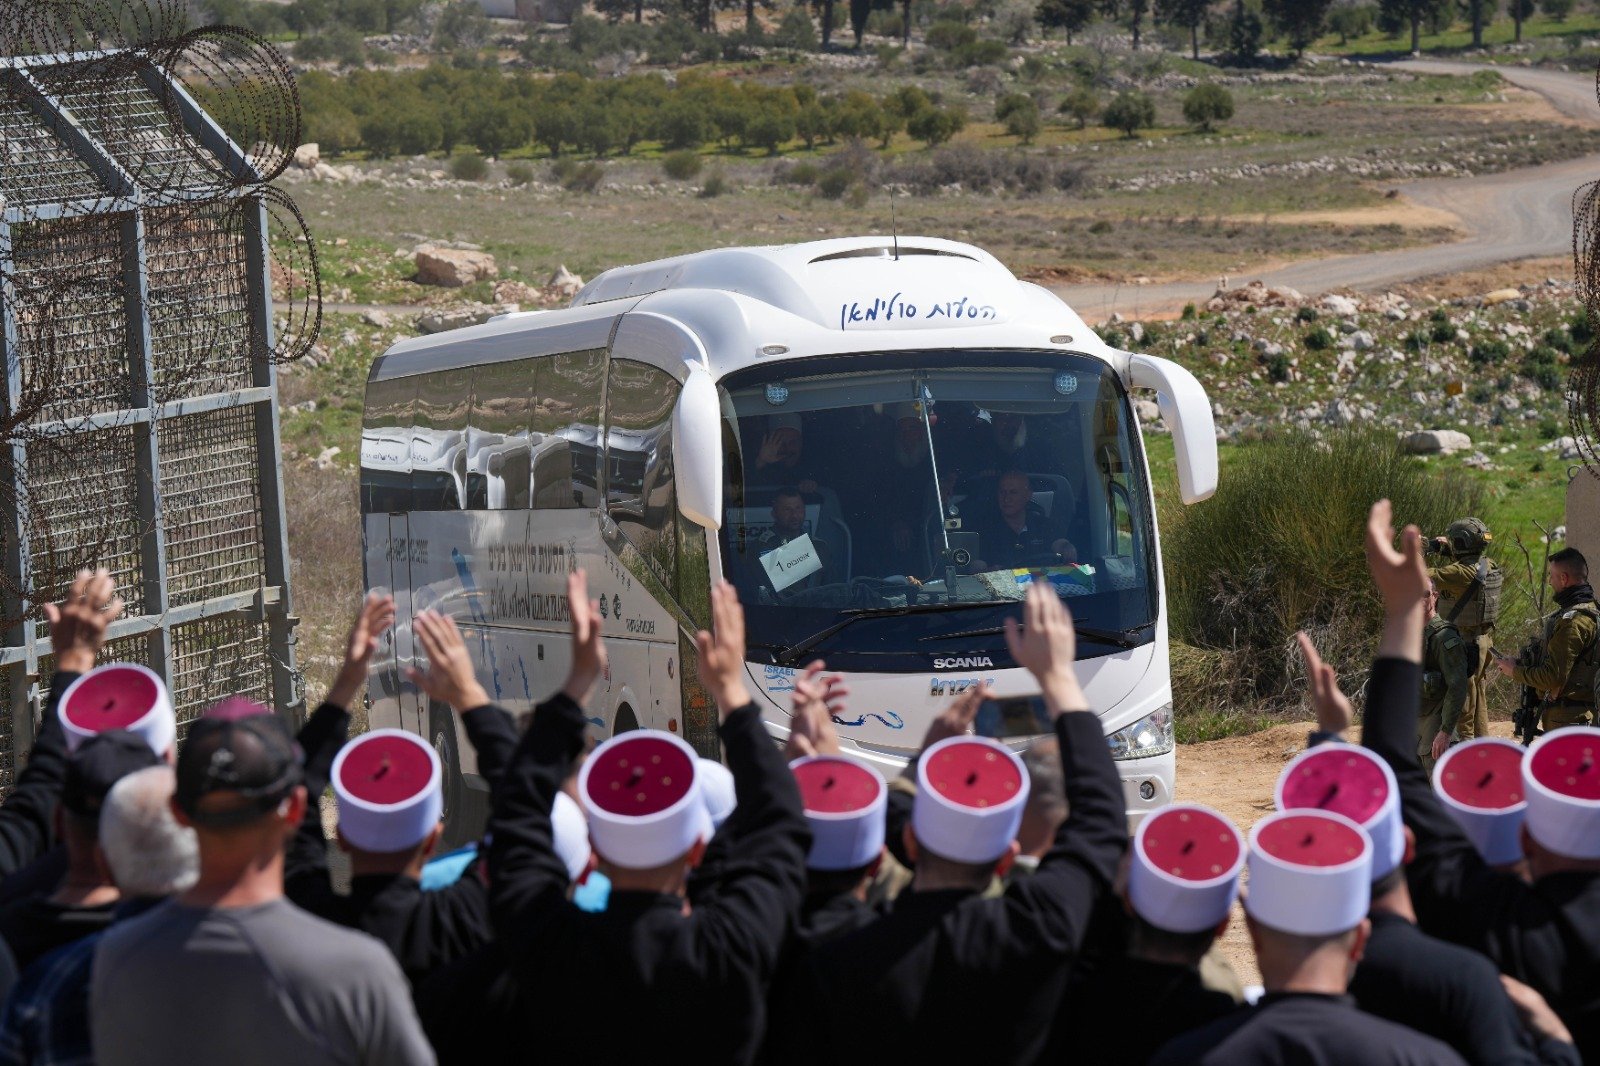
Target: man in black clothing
{"points": [[87, 898], [424, 930], [1183, 876], [1545, 933], [664, 959], [949, 975], [1407, 976], [1021, 534]]}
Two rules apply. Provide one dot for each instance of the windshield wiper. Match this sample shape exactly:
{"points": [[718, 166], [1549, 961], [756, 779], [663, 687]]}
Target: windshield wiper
{"points": [[788, 656], [1122, 638]]}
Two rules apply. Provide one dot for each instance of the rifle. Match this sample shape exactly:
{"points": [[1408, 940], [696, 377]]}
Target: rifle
{"points": [[1530, 708]]}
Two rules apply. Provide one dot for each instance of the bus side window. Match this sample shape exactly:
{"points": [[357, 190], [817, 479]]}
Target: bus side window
{"points": [[499, 448], [640, 493], [386, 446], [439, 441], [565, 430]]}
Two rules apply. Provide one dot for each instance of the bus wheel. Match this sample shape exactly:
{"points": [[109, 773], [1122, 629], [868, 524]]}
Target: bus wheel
{"points": [[442, 735], [625, 721]]}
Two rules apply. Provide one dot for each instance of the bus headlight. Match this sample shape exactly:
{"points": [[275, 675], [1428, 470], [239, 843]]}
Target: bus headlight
{"points": [[1150, 735]]}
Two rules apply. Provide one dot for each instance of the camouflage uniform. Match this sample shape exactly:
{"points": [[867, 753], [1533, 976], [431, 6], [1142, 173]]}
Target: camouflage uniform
{"points": [[1564, 675], [1446, 678], [1469, 595]]}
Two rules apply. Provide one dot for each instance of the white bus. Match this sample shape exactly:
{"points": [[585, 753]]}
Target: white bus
{"points": [[879, 442]]}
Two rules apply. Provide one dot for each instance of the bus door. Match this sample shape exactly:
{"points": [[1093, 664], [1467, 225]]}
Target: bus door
{"points": [[412, 703]]}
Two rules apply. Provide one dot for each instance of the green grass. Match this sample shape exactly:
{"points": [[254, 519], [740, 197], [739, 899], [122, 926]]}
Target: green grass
{"points": [[1458, 37]]}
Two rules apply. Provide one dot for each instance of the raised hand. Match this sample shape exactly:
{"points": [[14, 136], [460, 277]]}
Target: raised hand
{"points": [[449, 678], [956, 720], [1334, 713], [771, 450], [722, 651], [1402, 580], [588, 649], [1045, 644], [817, 699], [78, 624], [376, 616]]}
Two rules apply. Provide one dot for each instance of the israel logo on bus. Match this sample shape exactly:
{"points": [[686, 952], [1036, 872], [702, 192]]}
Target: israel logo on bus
{"points": [[777, 395], [1066, 384]]}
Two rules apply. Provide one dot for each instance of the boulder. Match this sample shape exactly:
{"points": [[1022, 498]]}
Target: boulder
{"points": [[307, 156], [1341, 413], [1147, 410], [323, 172], [452, 268], [515, 292], [1342, 306], [326, 456], [376, 319], [564, 281], [1500, 296], [1435, 442], [1136, 333], [1360, 341]]}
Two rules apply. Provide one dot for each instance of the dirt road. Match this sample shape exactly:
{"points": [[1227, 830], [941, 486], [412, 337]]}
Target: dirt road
{"points": [[1517, 214]]}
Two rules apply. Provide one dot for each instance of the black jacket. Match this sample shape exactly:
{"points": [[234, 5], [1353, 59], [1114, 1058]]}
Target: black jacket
{"points": [[424, 930], [1171, 1000], [951, 976], [692, 987], [1546, 934], [1308, 1030], [27, 817]]}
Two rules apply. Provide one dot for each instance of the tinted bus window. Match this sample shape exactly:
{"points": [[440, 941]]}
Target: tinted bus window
{"points": [[439, 441], [565, 430], [386, 446], [639, 487], [499, 452]]}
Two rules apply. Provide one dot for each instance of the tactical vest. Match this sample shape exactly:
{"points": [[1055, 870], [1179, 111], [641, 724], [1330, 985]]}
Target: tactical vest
{"points": [[1434, 685], [1479, 606], [1584, 675]]}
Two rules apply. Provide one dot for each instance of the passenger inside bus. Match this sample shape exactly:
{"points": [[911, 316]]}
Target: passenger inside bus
{"points": [[790, 523], [1020, 533], [781, 459]]}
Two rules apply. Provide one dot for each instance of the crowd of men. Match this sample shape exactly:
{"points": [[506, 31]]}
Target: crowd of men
{"points": [[171, 901]]}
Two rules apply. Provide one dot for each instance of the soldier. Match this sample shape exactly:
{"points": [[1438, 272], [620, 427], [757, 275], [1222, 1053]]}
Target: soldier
{"points": [[1564, 674], [1446, 677], [1469, 597]]}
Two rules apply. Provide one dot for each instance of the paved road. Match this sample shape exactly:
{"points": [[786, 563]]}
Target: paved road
{"points": [[1517, 214]]}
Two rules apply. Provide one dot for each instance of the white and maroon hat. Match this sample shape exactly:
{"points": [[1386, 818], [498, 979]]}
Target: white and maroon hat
{"points": [[1184, 874], [970, 795], [1562, 775], [716, 789], [119, 696], [1480, 784], [640, 794], [1352, 781], [389, 787], [846, 805], [1310, 873], [571, 835]]}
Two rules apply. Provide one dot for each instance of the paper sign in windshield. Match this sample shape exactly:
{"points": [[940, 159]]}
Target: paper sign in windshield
{"points": [[794, 561]]}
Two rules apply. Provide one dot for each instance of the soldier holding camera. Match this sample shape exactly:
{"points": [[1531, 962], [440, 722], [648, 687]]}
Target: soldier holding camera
{"points": [[1564, 671], [1469, 598]]}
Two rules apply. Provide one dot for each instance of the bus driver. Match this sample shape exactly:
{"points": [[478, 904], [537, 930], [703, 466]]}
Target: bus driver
{"points": [[1021, 534]]}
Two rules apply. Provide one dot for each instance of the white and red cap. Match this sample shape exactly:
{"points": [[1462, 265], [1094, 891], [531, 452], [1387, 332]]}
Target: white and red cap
{"points": [[846, 805], [571, 835], [1480, 784], [716, 789], [119, 696], [1310, 873], [970, 795], [1184, 873], [640, 793], [1562, 775], [389, 788], [1352, 781]]}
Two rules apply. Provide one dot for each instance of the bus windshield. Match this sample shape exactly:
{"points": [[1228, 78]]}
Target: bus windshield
{"points": [[897, 506]]}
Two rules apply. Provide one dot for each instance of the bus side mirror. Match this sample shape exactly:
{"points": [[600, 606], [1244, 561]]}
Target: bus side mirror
{"points": [[697, 444], [1187, 413]]}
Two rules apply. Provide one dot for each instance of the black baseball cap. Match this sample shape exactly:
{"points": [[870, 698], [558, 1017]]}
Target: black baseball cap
{"points": [[100, 762], [241, 749]]}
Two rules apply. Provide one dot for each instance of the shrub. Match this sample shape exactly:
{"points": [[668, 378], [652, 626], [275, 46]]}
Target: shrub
{"points": [[936, 125], [796, 31], [680, 165], [584, 177], [1319, 340], [1081, 105], [1100, 226], [802, 173], [949, 35], [833, 182], [1279, 367], [715, 185], [1416, 342], [519, 173], [1549, 428], [469, 167], [1558, 339], [1442, 332], [1581, 331], [1206, 105], [1264, 557], [858, 195], [1130, 112], [1020, 114], [1189, 312], [1542, 366], [1306, 314], [1485, 353]]}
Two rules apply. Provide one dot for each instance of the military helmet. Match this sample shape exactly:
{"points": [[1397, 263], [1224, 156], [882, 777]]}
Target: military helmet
{"points": [[1468, 535]]}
